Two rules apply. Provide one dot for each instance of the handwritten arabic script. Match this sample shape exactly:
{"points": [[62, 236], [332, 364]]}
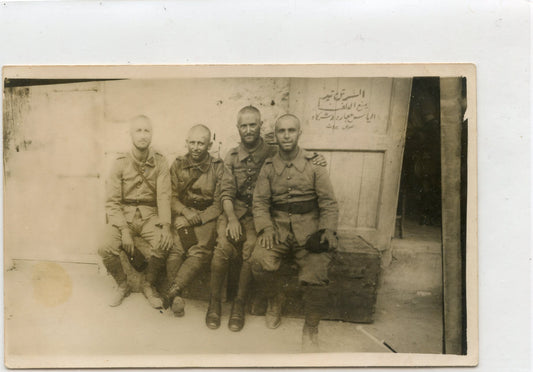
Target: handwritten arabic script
{"points": [[342, 109]]}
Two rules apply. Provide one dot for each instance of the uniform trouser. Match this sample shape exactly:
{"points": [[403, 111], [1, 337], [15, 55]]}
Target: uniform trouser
{"points": [[312, 274], [225, 252], [111, 247], [313, 267], [184, 264]]}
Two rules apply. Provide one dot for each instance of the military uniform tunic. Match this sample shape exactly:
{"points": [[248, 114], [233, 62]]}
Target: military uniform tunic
{"points": [[282, 189], [241, 169], [133, 204], [197, 186]]}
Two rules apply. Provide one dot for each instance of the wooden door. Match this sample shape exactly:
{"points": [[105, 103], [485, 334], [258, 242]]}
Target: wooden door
{"points": [[359, 124]]}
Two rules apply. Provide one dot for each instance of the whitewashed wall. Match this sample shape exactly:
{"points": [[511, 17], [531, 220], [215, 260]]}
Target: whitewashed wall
{"points": [[67, 133]]}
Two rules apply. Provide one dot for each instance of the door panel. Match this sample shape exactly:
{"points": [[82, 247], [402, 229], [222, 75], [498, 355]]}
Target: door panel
{"points": [[360, 123]]}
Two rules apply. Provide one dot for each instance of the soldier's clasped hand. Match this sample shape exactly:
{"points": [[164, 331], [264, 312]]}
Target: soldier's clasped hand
{"points": [[192, 216], [331, 238], [180, 222]]}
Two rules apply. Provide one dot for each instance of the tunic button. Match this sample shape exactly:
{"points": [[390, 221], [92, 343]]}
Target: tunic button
{"points": [[290, 214], [288, 177], [289, 196], [290, 189]]}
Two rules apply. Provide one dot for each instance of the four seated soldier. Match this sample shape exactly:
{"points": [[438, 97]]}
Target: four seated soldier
{"points": [[201, 187]]}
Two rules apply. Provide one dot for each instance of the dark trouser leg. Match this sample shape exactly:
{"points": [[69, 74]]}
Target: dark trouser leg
{"points": [[219, 268], [236, 320], [187, 272], [265, 264], [114, 268], [270, 285], [174, 263]]}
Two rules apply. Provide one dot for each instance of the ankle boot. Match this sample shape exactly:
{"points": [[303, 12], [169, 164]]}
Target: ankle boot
{"points": [[173, 299], [114, 267], [315, 303], [310, 339], [236, 319], [273, 313], [212, 318]]}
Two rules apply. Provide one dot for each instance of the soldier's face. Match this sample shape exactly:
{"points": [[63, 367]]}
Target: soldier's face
{"points": [[198, 144], [287, 134], [141, 134], [249, 126]]}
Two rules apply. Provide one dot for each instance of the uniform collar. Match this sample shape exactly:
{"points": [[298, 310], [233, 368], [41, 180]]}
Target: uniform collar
{"points": [[150, 160], [203, 166], [256, 154], [298, 162]]}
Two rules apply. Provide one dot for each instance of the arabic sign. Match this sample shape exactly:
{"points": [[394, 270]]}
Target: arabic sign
{"points": [[342, 109]]}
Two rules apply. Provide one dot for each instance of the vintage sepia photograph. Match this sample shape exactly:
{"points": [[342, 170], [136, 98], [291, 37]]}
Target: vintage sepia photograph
{"points": [[240, 216]]}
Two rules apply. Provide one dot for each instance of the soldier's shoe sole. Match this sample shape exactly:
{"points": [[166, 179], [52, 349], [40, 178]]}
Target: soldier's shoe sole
{"points": [[236, 325], [117, 302], [178, 306], [212, 322]]}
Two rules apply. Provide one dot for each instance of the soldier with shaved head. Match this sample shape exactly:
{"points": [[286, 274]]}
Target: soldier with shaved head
{"points": [[196, 179], [137, 203], [295, 214]]}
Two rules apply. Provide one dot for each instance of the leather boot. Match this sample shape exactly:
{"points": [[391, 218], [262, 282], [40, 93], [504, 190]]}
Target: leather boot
{"points": [[258, 304], [315, 305], [219, 268], [114, 267], [310, 339], [273, 313], [173, 266], [269, 284], [155, 264], [188, 271], [212, 318], [236, 319], [173, 299]]}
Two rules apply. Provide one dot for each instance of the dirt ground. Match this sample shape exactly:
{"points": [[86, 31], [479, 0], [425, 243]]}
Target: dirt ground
{"points": [[54, 309]]}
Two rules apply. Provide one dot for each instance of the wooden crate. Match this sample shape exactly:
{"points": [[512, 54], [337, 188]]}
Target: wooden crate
{"points": [[354, 276]]}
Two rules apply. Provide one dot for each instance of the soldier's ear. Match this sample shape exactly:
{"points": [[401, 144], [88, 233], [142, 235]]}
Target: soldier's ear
{"points": [[209, 145]]}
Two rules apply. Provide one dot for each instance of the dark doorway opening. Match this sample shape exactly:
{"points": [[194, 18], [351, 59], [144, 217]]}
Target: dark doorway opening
{"points": [[420, 186]]}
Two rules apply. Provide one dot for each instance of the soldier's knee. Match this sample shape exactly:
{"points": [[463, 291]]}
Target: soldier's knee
{"points": [[158, 253], [224, 250], [107, 250]]}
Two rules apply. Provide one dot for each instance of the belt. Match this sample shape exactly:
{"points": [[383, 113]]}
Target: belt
{"points": [[146, 203], [197, 204], [302, 207]]}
